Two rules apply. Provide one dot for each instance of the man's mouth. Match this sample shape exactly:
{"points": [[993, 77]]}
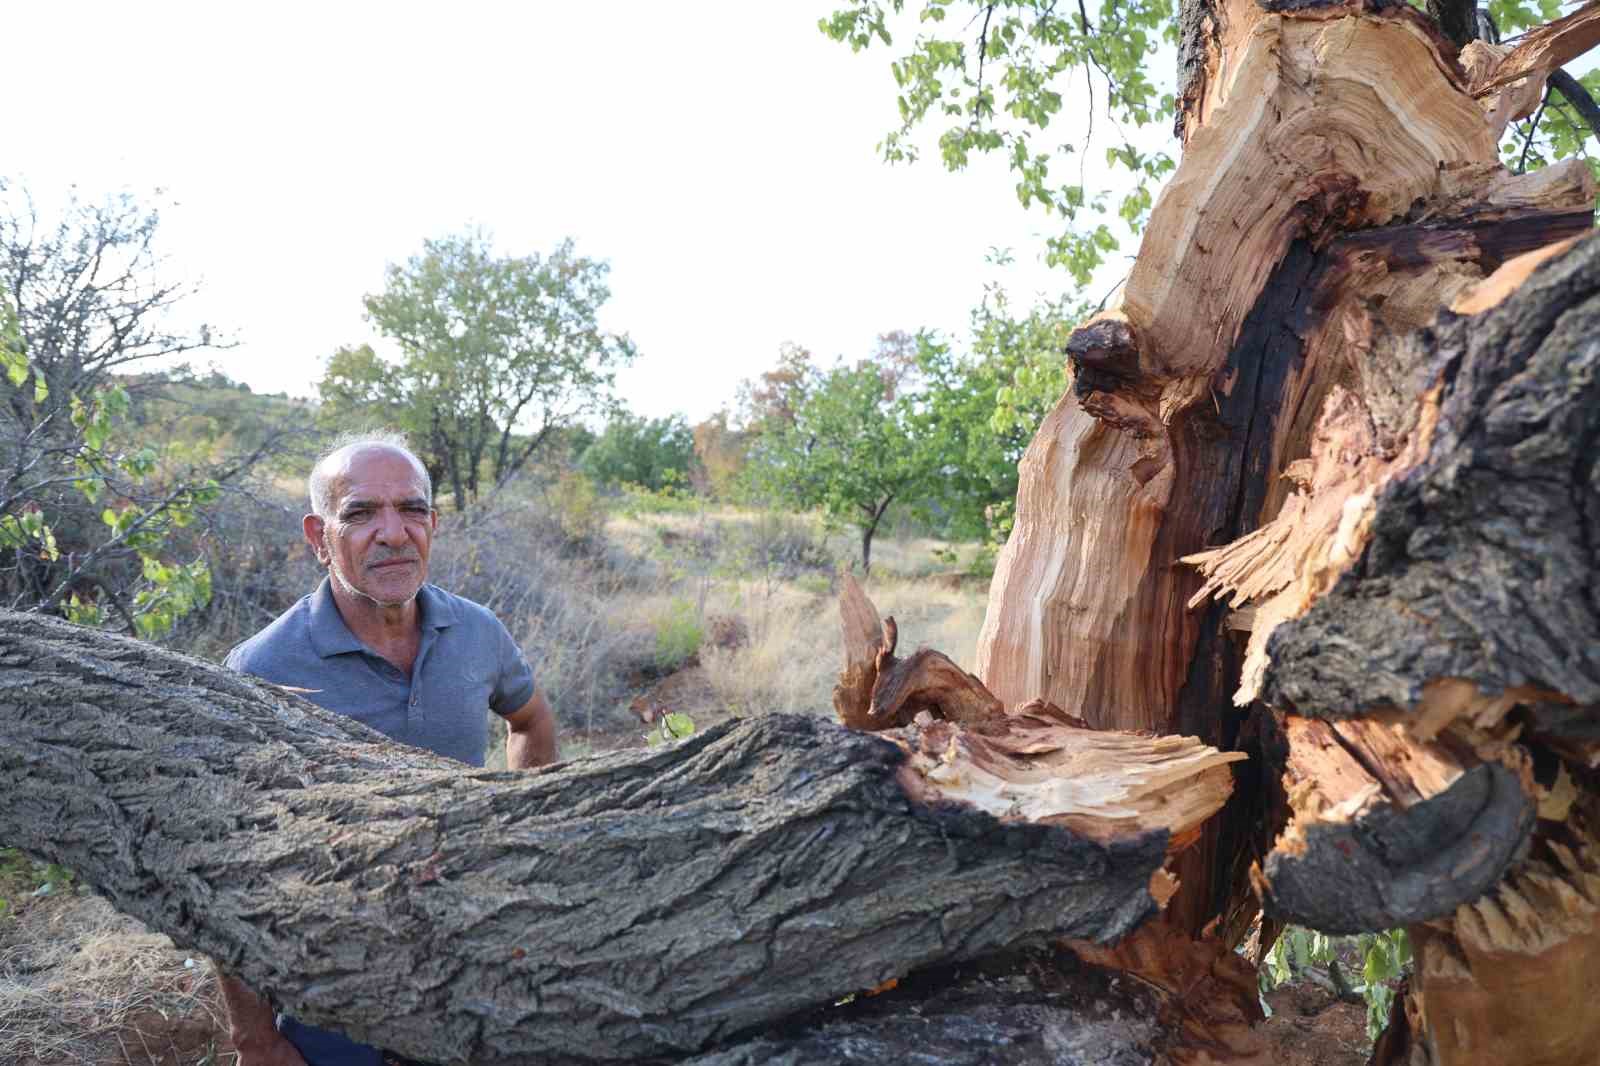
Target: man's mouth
{"points": [[389, 564]]}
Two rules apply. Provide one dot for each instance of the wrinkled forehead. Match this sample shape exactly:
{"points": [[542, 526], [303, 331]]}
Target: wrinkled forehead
{"points": [[375, 473]]}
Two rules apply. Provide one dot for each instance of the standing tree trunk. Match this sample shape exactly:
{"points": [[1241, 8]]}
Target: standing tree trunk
{"points": [[1339, 187]]}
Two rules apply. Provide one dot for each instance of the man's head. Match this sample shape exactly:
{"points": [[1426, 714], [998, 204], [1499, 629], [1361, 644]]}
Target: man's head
{"points": [[372, 518]]}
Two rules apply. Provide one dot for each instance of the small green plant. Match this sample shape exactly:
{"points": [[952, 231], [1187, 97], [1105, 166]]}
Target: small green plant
{"points": [[678, 635], [577, 506], [670, 727], [22, 877], [1383, 958]]}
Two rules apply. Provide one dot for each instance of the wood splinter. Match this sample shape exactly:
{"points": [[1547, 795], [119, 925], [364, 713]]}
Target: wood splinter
{"points": [[1034, 764]]}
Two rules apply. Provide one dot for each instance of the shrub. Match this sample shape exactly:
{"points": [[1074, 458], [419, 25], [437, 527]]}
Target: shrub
{"points": [[678, 635]]}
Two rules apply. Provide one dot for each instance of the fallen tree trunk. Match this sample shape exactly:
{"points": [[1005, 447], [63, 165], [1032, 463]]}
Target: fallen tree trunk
{"points": [[646, 903], [1026, 1009]]}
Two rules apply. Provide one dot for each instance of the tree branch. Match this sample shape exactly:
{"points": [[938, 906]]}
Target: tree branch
{"points": [[1578, 97], [1533, 128]]}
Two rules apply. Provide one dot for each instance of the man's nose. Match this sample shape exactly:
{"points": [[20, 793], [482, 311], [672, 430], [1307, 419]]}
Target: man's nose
{"points": [[390, 529]]}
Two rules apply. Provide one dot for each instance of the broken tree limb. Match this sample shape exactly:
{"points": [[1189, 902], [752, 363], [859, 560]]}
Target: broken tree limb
{"points": [[1388, 831], [1476, 578], [1542, 50], [877, 690], [1036, 762], [638, 904]]}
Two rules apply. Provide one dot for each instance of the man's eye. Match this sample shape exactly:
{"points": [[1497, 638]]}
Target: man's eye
{"points": [[357, 516]]}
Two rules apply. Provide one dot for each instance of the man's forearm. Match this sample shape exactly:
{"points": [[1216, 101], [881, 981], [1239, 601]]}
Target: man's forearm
{"points": [[531, 735]]}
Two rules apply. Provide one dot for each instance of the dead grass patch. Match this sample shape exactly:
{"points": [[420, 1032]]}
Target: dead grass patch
{"points": [[81, 985]]}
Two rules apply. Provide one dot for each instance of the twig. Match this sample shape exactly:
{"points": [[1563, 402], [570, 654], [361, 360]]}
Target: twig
{"points": [[983, 51], [1533, 127]]}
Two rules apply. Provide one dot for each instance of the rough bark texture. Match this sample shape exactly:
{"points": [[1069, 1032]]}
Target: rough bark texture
{"points": [[1481, 564], [1041, 1009], [640, 904]]}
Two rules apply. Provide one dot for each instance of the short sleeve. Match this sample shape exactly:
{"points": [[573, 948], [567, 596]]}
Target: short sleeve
{"points": [[513, 682]]}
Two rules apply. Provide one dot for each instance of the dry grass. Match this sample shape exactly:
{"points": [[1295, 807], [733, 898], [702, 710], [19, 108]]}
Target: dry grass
{"points": [[81, 985], [793, 658]]}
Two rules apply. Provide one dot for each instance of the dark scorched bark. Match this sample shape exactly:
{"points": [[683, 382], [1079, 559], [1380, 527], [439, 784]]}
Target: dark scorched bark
{"points": [[1483, 559]]}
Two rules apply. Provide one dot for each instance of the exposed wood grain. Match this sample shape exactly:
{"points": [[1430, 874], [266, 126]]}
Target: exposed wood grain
{"points": [[1480, 562]]}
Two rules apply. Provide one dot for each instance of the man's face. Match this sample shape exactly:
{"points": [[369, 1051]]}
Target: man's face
{"points": [[376, 544]]}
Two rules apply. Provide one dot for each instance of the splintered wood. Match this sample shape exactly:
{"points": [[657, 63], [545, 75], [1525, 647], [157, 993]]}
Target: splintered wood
{"points": [[1511, 977], [1049, 767], [1509, 81], [1035, 763], [1282, 567], [1126, 474], [1210, 996]]}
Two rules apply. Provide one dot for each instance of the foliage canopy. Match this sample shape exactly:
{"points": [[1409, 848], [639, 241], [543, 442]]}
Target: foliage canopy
{"points": [[496, 354]]}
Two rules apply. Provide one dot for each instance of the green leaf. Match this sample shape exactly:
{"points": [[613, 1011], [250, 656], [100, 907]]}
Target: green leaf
{"points": [[677, 726]]}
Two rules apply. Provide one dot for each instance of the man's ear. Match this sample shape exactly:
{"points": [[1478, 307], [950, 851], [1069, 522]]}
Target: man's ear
{"points": [[313, 526]]}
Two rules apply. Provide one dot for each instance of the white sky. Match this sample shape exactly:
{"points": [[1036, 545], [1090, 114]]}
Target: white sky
{"points": [[721, 156]]}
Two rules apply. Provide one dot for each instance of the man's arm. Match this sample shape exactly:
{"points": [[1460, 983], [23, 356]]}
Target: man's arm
{"points": [[251, 1028], [531, 734]]}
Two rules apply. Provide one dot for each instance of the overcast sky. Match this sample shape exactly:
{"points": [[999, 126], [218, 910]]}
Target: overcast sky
{"points": [[720, 155]]}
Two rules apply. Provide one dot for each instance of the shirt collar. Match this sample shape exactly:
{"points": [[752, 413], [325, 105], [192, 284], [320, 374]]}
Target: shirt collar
{"points": [[330, 636]]}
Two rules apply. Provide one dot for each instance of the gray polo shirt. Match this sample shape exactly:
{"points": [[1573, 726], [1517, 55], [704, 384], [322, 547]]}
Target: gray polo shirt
{"points": [[467, 662]]}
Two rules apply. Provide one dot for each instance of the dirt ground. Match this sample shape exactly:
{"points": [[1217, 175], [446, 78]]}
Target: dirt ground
{"points": [[1311, 1027]]}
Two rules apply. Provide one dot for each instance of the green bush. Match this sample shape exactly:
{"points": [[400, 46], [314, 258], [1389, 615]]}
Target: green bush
{"points": [[678, 635], [1382, 958]]}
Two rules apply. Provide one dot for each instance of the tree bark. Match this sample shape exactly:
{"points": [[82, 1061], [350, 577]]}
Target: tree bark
{"points": [[1259, 386], [645, 903]]}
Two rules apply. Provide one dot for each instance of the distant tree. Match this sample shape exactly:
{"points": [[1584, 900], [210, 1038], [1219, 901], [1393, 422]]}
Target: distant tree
{"points": [[496, 354], [768, 401], [977, 412], [632, 450], [850, 450], [720, 452], [90, 508]]}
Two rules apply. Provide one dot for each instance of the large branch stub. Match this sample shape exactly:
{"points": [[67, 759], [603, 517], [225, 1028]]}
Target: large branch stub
{"points": [[1387, 831], [1479, 567], [1511, 976], [634, 905]]}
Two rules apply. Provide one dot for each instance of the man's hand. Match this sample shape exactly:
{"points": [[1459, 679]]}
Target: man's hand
{"points": [[531, 736], [250, 1026]]}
